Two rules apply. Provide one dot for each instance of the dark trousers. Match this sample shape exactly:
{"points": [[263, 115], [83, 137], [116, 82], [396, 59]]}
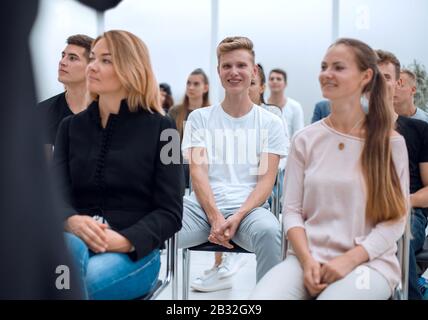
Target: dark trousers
{"points": [[418, 225]]}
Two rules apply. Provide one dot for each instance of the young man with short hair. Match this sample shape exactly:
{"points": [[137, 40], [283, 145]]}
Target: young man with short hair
{"points": [[415, 133], [404, 96], [234, 149], [291, 109], [72, 74]]}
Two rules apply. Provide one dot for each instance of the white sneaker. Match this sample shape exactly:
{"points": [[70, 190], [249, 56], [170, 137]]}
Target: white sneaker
{"points": [[230, 265], [211, 281]]}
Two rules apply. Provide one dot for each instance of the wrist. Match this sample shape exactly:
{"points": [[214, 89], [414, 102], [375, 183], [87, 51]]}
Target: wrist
{"points": [[67, 223], [357, 256], [306, 259], [412, 200], [240, 214], [214, 217]]}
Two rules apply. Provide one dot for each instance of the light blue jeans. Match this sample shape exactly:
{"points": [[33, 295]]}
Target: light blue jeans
{"points": [[113, 276]]}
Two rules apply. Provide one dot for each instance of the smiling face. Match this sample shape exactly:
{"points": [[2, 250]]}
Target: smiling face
{"points": [[101, 75], [72, 66], [236, 70], [340, 76]]}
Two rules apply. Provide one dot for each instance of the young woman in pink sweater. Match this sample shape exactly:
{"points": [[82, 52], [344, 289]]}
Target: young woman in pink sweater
{"points": [[346, 190]]}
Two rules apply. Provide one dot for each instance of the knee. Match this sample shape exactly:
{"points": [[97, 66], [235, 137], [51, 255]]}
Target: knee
{"points": [[269, 230], [74, 243], [76, 246]]}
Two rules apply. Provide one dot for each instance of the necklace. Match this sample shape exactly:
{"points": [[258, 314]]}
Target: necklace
{"points": [[341, 145]]}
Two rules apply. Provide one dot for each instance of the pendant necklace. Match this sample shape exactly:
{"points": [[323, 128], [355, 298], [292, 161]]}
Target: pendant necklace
{"points": [[341, 145]]}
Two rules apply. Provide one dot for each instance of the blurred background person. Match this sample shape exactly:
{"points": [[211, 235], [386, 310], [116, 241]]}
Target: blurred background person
{"points": [[167, 100], [321, 110], [291, 109], [415, 133], [196, 96], [404, 98]]}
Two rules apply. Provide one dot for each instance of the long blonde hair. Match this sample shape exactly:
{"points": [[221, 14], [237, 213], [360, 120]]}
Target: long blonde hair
{"points": [[131, 62], [385, 198]]}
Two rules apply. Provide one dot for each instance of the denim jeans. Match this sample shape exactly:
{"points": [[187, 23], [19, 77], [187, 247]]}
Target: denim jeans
{"points": [[418, 225], [113, 276]]}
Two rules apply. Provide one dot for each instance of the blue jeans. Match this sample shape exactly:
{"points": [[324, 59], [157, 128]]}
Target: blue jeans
{"points": [[113, 276], [418, 225]]}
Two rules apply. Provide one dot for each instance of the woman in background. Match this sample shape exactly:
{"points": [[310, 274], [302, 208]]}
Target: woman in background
{"points": [[196, 96]]}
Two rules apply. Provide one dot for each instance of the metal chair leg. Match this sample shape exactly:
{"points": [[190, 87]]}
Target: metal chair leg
{"points": [[186, 271], [174, 273], [405, 264]]}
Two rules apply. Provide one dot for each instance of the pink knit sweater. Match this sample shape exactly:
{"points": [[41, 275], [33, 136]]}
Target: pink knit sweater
{"points": [[325, 194]]}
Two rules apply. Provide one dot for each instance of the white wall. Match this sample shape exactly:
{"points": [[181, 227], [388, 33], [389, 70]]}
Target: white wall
{"points": [[289, 34], [397, 26], [176, 32]]}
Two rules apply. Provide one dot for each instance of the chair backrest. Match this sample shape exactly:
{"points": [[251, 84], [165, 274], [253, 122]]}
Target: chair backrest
{"points": [[276, 196], [403, 245]]}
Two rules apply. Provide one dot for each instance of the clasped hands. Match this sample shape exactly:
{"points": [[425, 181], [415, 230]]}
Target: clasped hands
{"points": [[97, 236], [223, 230], [318, 276]]}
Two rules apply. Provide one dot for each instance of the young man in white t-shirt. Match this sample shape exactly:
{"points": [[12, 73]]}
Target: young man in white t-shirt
{"points": [[233, 149]]}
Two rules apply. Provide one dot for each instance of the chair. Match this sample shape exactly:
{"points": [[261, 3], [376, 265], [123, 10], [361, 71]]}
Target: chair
{"points": [[276, 195], [207, 246], [422, 257], [170, 273]]}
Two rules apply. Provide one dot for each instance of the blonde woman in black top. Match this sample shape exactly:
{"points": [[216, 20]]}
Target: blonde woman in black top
{"points": [[123, 199]]}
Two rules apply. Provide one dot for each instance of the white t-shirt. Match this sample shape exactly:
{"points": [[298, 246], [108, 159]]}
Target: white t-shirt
{"points": [[234, 147], [293, 113], [278, 112]]}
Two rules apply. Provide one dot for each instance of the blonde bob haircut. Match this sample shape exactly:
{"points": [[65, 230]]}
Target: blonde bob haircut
{"points": [[131, 61]]}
